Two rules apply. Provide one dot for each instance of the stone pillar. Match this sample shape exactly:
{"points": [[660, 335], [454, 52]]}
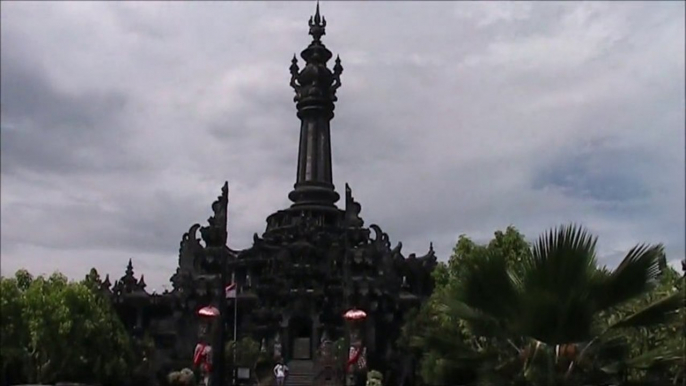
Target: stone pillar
{"points": [[285, 338], [139, 318], [370, 333], [314, 336]]}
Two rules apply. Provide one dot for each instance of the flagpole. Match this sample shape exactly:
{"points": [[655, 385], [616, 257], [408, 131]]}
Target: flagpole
{"points": [[235, 317], [219, 369], [234, 371], [219, 378], [346, 279]]}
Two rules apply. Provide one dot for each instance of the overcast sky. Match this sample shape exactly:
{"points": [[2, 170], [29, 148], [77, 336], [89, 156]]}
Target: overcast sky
{"points": [[122, 120]]}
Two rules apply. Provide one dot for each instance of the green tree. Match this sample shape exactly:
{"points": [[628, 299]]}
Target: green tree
{"points": [[550, 307], [23, 279], [510, 244], [246, 352], [449, 349], [13, 328], [93, 281], [504, 310], [61, 331]]}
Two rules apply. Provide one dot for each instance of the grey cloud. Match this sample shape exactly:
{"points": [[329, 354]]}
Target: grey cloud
{"points": [[46, 130], [150, 224], [603, 177], [453, 118]]}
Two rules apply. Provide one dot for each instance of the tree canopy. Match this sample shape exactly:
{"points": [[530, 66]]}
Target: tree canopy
{"points": [[546, 313], [56, 330]]}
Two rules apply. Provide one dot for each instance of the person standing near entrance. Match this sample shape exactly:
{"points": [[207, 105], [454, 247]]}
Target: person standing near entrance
{"points": [[280, 372]]}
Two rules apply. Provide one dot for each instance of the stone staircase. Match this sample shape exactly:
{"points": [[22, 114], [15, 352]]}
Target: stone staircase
{"points": [[300, 373]]}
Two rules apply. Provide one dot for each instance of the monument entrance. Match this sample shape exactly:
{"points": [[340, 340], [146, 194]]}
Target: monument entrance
{"points": [[301, 338]]}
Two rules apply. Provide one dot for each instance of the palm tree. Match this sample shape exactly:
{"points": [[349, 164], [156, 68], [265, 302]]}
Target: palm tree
{"points": [[552, 310]]}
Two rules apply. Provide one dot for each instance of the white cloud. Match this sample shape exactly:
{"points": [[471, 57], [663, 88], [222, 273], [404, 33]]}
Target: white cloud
{"points": [[488, 13]]}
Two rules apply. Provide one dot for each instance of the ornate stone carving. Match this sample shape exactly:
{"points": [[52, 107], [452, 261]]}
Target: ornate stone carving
{"points": [[128, 284], [352, 210], [316, 81], [214, 235], [106, 285], [190, 250]]}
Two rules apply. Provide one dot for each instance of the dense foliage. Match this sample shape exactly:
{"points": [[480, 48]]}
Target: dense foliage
{"points": [[247, 353], [55, 330], [546, 314]]}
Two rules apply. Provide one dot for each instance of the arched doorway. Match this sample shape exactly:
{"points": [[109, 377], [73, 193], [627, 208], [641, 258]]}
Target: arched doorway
{"points": [[300, 333]]}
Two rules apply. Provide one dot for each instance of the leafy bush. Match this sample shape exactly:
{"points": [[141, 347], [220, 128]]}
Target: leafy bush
{"points": [[374, 378], [185, 377], [247, 353]]}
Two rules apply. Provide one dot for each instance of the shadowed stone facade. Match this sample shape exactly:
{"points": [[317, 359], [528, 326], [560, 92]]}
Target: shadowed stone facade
{"points": [[313, 262]]}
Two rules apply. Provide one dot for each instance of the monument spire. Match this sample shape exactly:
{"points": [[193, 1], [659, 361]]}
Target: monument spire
{"points": [[315, 93]]}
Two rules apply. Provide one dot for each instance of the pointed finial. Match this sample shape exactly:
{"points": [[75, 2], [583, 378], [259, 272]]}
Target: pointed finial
{"points": [[294, 72], [337, 71], [316, 14], [317, 25], [141, 282], [129, 268]]}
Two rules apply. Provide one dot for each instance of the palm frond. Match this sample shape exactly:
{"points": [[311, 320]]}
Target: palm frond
{"points": [[636, 274], [562, 259], [454, 346], [553, 321], [610, 348], [480, 324], [559, 280], [671, 353], [658, 312]]}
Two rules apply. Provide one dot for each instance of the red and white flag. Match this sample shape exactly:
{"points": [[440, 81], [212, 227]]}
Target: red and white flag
{"points": [[231, 291]]}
